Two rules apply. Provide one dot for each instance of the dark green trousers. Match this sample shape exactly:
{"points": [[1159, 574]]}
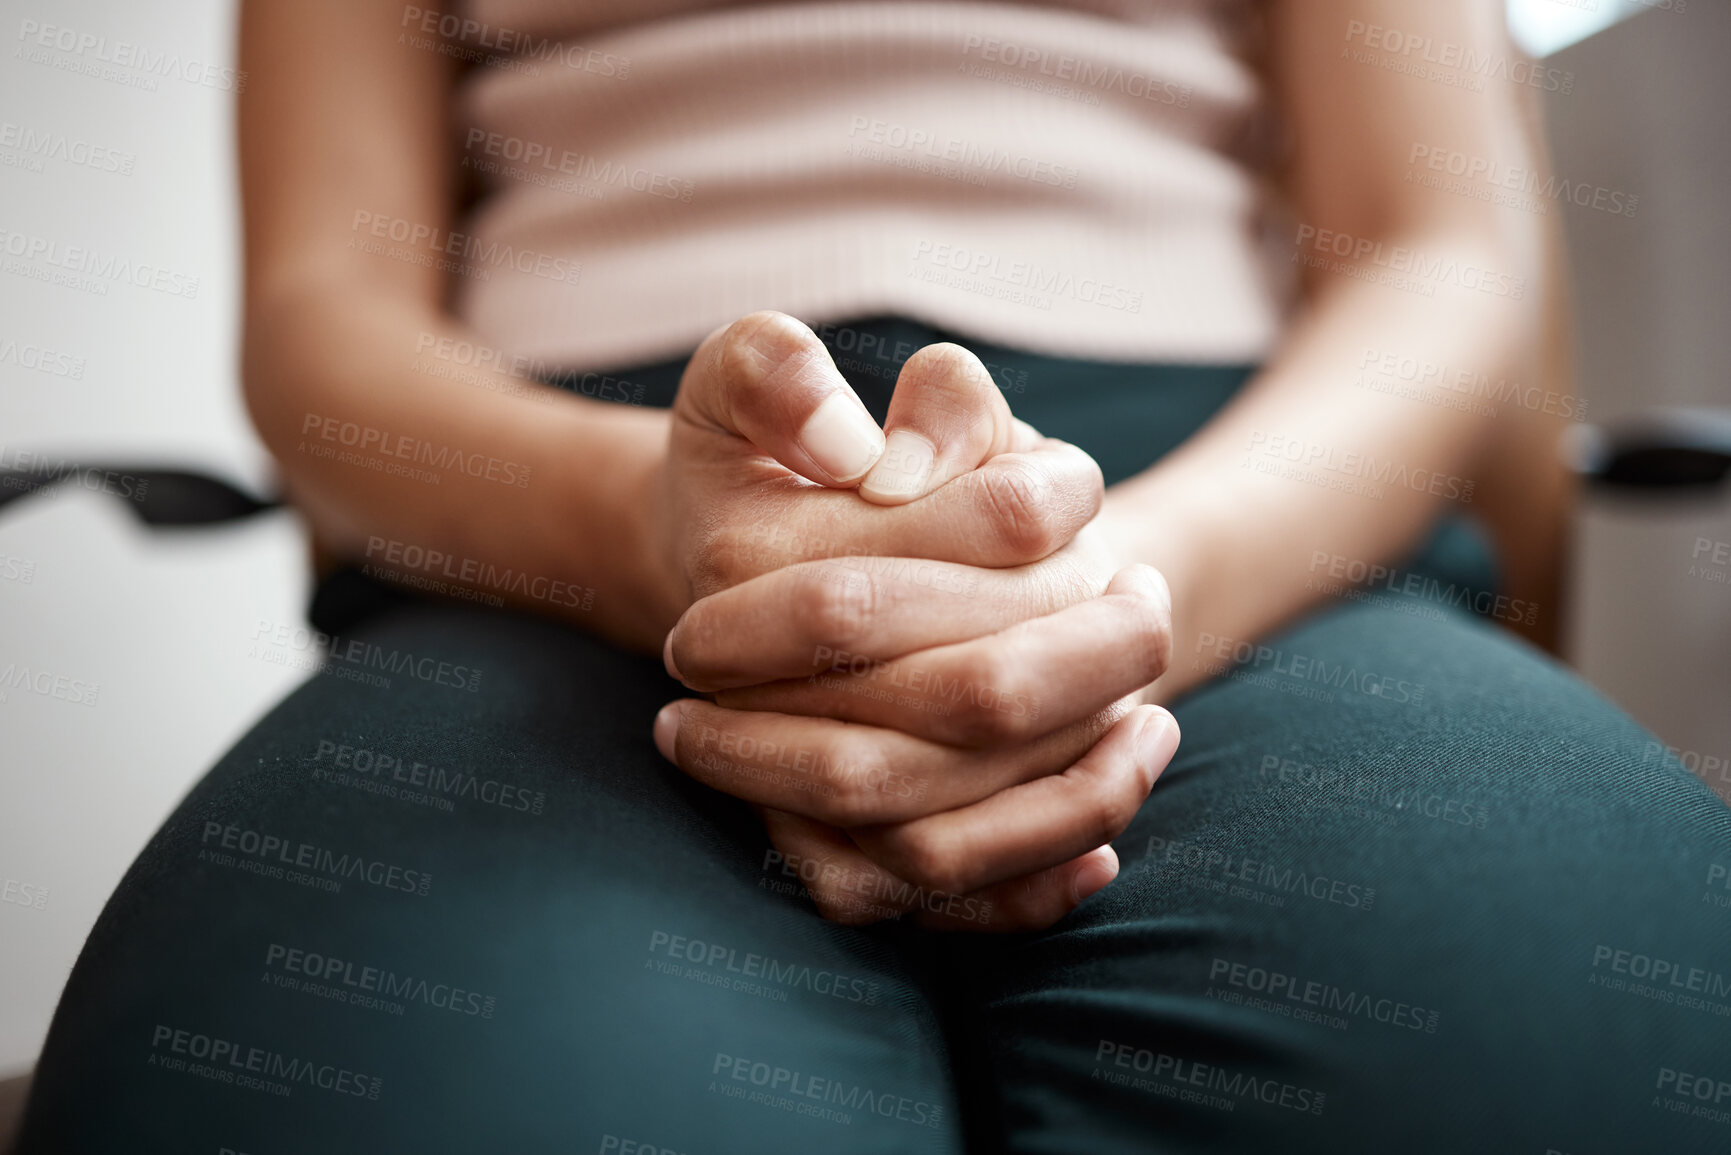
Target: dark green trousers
{"points": [[1408, 886]]}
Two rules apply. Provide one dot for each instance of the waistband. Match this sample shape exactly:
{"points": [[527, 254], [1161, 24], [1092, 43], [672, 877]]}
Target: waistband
{"points": [[1127, 416]]}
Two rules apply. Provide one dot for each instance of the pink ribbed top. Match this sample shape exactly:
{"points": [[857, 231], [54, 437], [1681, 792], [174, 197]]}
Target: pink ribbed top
{"points": [[1068, 178]]}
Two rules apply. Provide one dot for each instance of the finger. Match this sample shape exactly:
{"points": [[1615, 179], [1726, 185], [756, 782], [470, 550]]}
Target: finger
{"points": [[801, 619], [768, 379], [1009, 687], [847, 887], [850, 775], [1023, 436], [1036, 825], [1015, 509], [946, 417], [1034, 902]]}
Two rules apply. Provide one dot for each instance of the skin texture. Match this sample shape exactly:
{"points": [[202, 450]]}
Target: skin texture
{"points": [[716, 535]]}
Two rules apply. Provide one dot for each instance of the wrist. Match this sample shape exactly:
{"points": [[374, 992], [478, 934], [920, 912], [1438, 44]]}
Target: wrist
{"points": [[1140, 531], [610, 525], [657, 580], [1166, 526]]}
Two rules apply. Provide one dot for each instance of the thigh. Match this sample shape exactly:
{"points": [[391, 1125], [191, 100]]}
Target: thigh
{"points": [[1407, 886], [447, 897]]}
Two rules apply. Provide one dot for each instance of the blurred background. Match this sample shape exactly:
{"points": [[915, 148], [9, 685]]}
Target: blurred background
{"points": [[162, 621]]}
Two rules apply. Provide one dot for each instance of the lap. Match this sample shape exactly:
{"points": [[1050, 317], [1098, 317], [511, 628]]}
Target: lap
{"points": [[1396, 892], [477, 905], [1399, 889]]}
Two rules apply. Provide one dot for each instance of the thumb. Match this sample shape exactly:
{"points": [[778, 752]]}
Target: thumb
{"points": [[947, 417], [768, 379]]}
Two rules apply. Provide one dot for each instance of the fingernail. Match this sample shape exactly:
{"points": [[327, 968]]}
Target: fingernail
{"points": [[1093, 875], [667, 728], [903, 469], [1157, 740], [667, 658], [842, 438]]}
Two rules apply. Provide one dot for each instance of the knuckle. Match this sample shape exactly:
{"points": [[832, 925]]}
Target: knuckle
{"points": [[1018, 499], [759, 353], [723, 560], [1091, 482], [739, 354], [1030, 903], [946, 367], [1111, 806], [929, 863], [1150, 628], [848, 798], [834, 605], [1017, 496], [1123, 793], [988, 709], [835, 905], [1096, 726]]}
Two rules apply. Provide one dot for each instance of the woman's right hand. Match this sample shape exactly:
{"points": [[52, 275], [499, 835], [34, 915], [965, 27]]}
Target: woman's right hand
{"points": [[768, 444]]}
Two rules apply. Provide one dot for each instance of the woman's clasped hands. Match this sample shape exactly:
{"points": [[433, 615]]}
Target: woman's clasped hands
{"points": [[923, 663]]}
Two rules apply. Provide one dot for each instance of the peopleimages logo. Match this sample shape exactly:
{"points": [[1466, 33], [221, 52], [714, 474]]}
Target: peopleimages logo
{"points": [[354, 656], [1205, 865], [24, 894], [585, 169], [1239, 659], [1232, 1087], [1468, 383], [1424, 268], [1377, 472], [1660, 980], [418, 560], [1019, 281], [47, 684], [273, 849], [403, 447], [1327, 997], [90, 49], [953, 156], [347, 765], [1500, 176], [439, 242], [793, 976], [876, 891], [520, 46], [1345, 575], [89, 270], [929, 689], [43, 145], [1462, 64], [1326, 784], [380, 981], [231, 1062], [795, 1089], [1082, 71], [1700, 1096], [41, 359], [757, 759]]}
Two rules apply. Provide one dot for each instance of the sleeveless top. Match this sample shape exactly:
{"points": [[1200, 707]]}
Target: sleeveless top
{"points": [[1080, 179]]}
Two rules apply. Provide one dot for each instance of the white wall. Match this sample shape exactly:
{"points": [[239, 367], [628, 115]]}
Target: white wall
{"points": [[158, 621]]}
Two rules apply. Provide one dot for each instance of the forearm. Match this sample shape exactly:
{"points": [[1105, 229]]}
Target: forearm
{"points": [[1307, 465], [492, 482]]}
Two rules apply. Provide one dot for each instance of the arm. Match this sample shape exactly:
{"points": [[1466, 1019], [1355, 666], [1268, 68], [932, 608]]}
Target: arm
{"points": [[648, 509], [339, 119], [1237, 545]]}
